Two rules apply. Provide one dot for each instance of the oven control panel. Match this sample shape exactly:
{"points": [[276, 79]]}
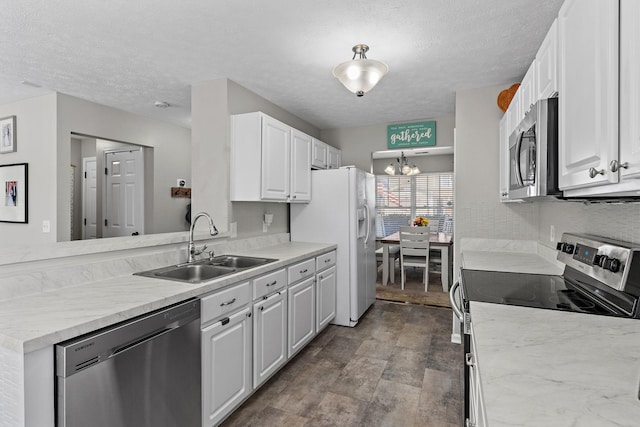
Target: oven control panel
{"points": [[601, 258]]}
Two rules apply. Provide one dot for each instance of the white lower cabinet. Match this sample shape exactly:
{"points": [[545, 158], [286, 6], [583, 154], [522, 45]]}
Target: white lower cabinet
{"points": [[251, 329], [269, 336], [226, 365], [301, 314], [325, 289]]}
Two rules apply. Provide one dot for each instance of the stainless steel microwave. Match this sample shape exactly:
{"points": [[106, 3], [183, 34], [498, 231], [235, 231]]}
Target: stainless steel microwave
{"points": [[533, 153]]}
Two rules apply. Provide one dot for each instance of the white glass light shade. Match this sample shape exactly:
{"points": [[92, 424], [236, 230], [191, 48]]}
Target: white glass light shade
{"points": [[360, 75], [415, 170], [406, 169], [390, 170]]}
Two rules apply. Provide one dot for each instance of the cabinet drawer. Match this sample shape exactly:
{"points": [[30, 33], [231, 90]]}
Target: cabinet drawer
{"points": [[301, 270], [269, 283], [225, 301], [325, 260]]}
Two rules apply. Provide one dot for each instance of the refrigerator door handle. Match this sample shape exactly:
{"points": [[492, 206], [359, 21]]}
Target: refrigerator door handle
{"points": [[367, 216]]}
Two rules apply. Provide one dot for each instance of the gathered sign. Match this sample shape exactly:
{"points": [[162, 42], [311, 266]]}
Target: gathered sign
{"points": [[410, 135]]}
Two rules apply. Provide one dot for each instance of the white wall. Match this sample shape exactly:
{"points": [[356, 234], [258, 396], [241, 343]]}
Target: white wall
{"points": [[358, 143], [36, 145], [212, 104]]}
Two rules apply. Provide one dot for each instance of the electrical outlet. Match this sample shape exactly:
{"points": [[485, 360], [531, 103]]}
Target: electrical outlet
{"points": [[233, 230], [265, 227], [552, 233]]}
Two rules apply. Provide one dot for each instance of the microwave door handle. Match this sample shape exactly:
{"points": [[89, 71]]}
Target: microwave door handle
{"points": [[517, 160]]}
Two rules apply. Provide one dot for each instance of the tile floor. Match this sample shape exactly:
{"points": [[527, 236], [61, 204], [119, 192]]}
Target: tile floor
{"points": [[397, 367]]}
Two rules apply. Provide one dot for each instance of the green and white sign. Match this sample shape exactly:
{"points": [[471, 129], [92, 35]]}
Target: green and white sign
{"points": [[411, 135]]}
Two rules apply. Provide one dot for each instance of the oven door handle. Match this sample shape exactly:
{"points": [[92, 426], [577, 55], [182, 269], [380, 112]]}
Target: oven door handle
{"points": [[452, 299]]}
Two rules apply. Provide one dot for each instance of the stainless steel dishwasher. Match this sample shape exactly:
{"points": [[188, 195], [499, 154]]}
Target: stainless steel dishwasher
{"points": [[142, 372]]}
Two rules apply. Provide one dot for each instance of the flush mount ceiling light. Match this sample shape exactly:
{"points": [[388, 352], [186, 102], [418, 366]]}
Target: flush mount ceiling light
{"points": [[401, 167], [360, 74]]}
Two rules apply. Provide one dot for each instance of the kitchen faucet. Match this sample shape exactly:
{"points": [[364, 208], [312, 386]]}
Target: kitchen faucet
{"points": [[193, 252]]}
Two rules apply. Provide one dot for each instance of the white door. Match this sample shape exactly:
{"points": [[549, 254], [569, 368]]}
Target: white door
{"points": [[302, 317], [269, 336], [89, 201], [588, 92], [300, 182], [276, 139], [370, 248], [325, 298], [123, 210], [226, 366]]}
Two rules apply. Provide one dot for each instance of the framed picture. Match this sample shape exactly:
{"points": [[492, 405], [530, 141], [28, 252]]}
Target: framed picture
{"points": [[14, 185], [8, 135]]}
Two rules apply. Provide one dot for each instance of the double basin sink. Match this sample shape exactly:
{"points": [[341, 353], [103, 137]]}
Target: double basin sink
{"points": [[203, 270]]}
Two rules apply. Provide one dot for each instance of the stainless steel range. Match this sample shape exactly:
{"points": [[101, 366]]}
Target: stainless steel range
{"points": [[601, 277]]}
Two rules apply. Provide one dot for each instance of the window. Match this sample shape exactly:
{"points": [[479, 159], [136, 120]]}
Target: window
{"points": [[399, 199]]}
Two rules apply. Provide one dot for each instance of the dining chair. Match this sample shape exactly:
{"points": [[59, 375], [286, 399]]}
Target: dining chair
{"points": [[394, 254], [414, 251]]}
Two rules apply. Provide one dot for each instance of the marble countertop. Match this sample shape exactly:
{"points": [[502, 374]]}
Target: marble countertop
{"points": [[33, 322], [551, 368], [509, 255]]}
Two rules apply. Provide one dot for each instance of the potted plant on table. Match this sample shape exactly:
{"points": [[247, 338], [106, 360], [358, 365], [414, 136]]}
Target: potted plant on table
{"points": [[420, 221]]}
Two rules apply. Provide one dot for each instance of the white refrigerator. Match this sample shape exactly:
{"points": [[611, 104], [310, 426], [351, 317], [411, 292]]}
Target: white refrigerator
{"points": [[342, 211]]}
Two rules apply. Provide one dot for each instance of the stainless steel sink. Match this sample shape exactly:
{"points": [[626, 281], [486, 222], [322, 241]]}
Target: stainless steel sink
{"points": [[192, 273], [239, 262], [201, 271]]}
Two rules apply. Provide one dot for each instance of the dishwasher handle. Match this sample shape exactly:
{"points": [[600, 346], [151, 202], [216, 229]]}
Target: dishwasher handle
{"points": [[138, 341]]}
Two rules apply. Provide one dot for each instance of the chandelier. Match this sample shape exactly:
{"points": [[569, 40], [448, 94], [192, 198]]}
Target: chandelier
{"points": [[401, 167], [360, 74]]}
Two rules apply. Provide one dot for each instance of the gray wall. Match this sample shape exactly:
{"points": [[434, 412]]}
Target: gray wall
{"points": [[36, 145], [212, 104], [358, 143], [172, 156], [44, 127]]}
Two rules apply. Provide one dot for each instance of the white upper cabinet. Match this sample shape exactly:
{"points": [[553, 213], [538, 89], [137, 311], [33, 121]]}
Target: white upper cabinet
{"points": [[588, 92], [546, 64], [629, 162], [334, 157], [513, 113], [319, 154], [504, 159], [276, 152], [527, 91], [300, 181], [269, 160]]}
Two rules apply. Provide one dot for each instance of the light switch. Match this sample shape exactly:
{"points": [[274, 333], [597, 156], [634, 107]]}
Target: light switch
{"points": [[46, 226]]}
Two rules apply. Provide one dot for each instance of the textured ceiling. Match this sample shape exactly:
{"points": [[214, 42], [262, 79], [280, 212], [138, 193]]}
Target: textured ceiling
{"points": [[128, 54]]}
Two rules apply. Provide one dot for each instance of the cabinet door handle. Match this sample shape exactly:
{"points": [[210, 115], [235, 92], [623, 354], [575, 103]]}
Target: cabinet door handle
{"points": [[615, 165], [228, 302], [320, 277], [272, 283], [593, 172], [304, 271]]}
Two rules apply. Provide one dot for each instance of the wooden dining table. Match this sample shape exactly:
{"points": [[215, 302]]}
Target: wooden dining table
{"points": [[437, 241]]}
